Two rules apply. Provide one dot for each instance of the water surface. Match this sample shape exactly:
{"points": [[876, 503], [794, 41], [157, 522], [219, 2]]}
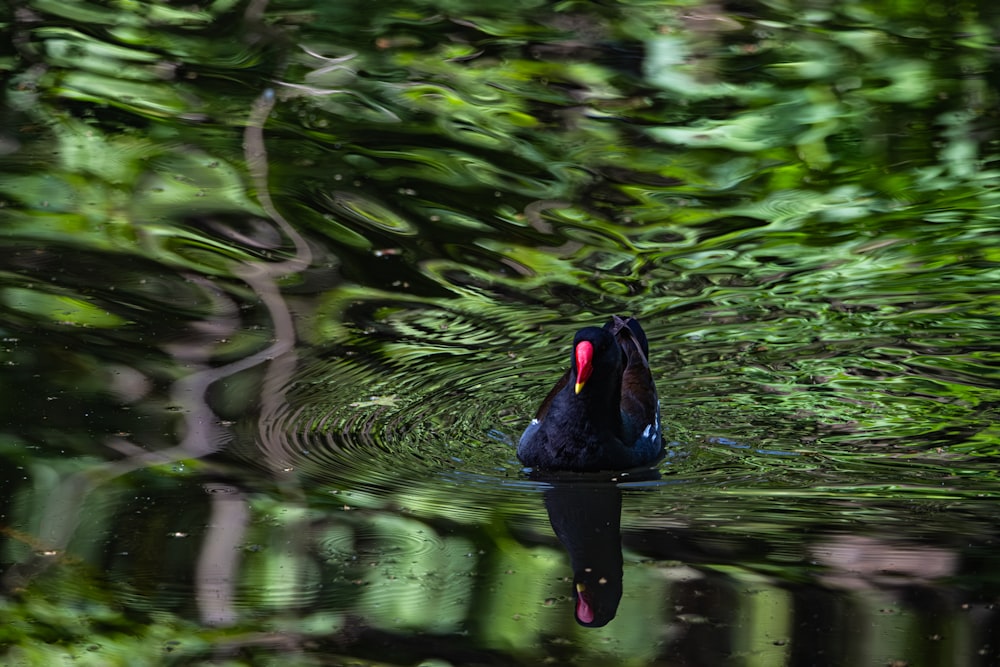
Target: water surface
{"points": [[282, 283]]}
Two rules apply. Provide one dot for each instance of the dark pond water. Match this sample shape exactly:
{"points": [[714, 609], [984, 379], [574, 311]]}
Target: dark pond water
{"points": [[281, 284]]}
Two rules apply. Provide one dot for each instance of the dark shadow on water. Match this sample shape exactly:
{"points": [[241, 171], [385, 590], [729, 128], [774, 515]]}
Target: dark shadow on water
{"points": [[587, 520], [585, 513]]}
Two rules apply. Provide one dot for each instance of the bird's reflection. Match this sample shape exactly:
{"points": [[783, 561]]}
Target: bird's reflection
{"points": [[586, 517]]}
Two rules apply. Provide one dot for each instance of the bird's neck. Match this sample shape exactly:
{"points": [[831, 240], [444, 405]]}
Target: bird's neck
{"points": [[599, 402]]}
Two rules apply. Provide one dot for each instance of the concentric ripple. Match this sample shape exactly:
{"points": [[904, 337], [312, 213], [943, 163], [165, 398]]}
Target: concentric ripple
{"points": [[435, 393], [422, 393]]}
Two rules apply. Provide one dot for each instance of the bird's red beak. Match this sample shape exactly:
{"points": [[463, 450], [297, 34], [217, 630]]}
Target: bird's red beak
{"points": [[584, 612], [584, 363]]}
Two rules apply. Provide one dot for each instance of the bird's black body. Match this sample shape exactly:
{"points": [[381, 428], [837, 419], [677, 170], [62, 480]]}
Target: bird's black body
{"points": [[604, 412]]}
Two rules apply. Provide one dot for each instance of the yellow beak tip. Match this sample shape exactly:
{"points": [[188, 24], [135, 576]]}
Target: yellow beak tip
{"points": [[578, 386]]}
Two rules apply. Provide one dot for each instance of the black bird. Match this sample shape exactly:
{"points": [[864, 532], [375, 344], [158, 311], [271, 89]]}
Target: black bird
{"points": [[604, 413]]}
